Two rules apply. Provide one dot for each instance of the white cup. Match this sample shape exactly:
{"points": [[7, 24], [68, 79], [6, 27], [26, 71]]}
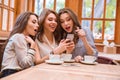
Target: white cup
{"points": [[66, 57], [90, 59], [54, 57]]}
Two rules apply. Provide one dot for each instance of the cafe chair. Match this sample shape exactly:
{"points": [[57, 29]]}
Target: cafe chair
{"points": [[106, 60], [1, 55]]}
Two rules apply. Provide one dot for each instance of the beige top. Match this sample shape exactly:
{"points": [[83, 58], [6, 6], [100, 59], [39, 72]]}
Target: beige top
{"points": [[17, 54], [45, 48]]}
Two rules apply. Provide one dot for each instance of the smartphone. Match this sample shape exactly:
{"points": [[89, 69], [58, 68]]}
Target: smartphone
{"points": [[70, 36]]}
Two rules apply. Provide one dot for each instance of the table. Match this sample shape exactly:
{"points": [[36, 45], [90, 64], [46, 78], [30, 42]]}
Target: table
{"points": [[115, 57], [68, 71]]}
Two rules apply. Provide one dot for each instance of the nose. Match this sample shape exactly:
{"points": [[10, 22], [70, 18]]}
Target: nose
{"points": [[65, 22], [37, 25], [54, 22]]}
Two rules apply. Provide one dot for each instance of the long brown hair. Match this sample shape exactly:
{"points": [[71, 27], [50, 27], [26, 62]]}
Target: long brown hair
{"points": [[75, 23], [41, 21], [20, 24]]}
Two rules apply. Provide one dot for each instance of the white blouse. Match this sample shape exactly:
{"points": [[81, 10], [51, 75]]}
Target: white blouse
{"points": [[46, 47]]}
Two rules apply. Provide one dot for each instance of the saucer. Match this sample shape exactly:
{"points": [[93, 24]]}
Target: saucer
{"points": [[90, 63], [69, 61], [53, 62]]}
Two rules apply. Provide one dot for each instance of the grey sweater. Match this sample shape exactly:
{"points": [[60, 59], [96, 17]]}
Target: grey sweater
{"points": [[80, 48]]}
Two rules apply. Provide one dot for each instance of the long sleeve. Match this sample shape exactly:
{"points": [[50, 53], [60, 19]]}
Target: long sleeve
{"points": [[17, 54], [24, 55], [80, 48]]}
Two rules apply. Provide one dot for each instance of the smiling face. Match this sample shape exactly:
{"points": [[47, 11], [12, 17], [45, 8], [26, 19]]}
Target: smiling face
{"points": [[66, 22], [50, 23], [32, 26]]}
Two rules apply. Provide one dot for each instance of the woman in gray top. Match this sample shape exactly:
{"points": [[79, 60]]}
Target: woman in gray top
{"points": [[83, 38], [19, 51]]}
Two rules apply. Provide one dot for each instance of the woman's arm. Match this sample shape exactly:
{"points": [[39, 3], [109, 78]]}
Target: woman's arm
{"points": [[38, 58], [24, 55], [83, 36]]}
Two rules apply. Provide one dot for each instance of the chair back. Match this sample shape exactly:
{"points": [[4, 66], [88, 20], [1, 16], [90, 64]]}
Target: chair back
{"points": [[1, 54]]}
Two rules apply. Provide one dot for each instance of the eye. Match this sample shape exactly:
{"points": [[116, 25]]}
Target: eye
{"points": [[50, 19], [68, 19], [34, 21], [61, 21]]}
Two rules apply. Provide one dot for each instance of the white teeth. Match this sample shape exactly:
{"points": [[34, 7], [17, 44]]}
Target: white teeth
{"points": [[52, 26]]}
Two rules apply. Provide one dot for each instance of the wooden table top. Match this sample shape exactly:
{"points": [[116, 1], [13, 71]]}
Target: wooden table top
{"points": [[68, 71]]}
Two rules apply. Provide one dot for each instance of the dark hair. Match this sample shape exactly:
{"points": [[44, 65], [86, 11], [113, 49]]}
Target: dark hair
{"points": [[20, 24], [75, 23], [45, 12]]}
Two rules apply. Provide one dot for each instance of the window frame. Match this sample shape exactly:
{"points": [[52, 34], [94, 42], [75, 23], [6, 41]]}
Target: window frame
{"points": [[92, 19], [5, 33]]}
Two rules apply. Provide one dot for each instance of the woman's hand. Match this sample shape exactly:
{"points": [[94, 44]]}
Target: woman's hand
{"points": [[64, 45], [31, 41], [78, 58], [70, 47], [81, 33]]}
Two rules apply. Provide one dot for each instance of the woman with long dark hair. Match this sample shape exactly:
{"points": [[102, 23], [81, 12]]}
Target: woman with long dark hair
{"points": [[83, 38], [19, 51], [48, 36]]}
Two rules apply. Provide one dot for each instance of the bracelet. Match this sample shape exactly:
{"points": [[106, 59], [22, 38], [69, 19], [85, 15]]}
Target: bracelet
{"points": [[32, 49]]}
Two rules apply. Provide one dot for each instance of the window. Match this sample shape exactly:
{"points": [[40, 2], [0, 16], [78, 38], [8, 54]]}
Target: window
{"points": [[7, 12], [100, 17], [51, 4]]}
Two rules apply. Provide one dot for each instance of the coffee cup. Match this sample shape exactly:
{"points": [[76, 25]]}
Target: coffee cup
{"points": [[66, 57], [89, 58], [54, 57]]}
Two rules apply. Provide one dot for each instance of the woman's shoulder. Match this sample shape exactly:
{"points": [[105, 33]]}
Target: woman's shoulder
{"points": [[37, 41], [17, 36]]}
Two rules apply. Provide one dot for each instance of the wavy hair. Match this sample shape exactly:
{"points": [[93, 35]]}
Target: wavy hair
{"points": [[75, 23], [41, 21], [20, 24]]}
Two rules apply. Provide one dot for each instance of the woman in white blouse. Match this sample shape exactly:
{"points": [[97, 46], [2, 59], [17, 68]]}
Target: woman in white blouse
{"points": [[19, 52], [48, 36]]}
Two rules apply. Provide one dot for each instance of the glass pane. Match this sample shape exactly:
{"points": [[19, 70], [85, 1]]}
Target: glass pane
{"points": [[12, 3], [97, 29], [5, 18], [26, 5], [6, 2], [60, 4], [87, 8], [98, 8], [38, 6], [49, 4], [0, 19], [0, 1], [86, 23], [11, 20], [111, 9], [109, 30]]}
